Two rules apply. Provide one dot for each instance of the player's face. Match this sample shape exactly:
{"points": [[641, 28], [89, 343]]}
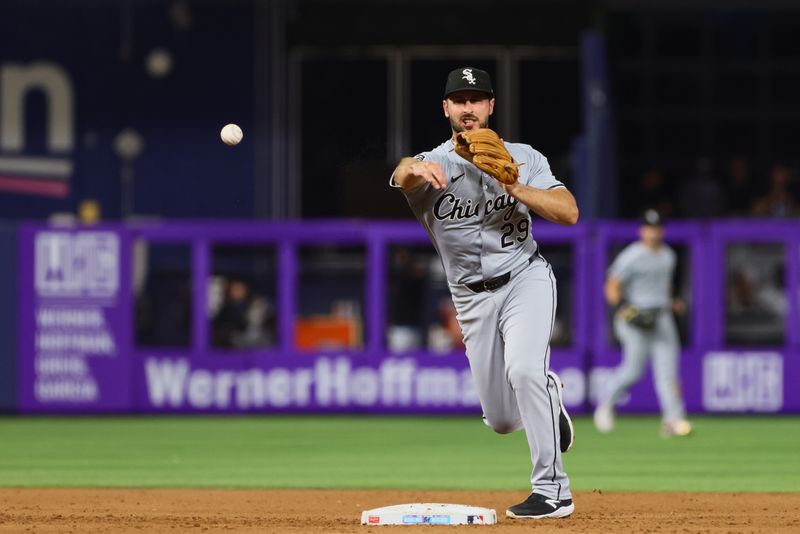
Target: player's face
{"points": [[651, 235], [468, 110]]}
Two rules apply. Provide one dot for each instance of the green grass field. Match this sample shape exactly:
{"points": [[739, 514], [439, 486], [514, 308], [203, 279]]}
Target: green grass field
{"points": [[725, 454]]}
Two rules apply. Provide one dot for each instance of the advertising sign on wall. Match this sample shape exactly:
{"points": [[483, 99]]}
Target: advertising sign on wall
{"points": [[75, 320], [743, 382]]}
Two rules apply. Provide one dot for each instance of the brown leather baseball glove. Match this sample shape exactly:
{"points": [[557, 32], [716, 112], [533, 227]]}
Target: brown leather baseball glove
{"points": [[484, 149]]}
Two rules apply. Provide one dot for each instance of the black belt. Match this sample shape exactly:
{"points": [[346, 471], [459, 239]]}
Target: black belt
{"points": [[495, 283]]}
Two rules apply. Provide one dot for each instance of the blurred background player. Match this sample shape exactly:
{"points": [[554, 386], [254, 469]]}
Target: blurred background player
{"points": [[639, 286]]}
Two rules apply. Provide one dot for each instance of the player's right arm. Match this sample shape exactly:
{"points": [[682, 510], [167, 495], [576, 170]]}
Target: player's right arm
{"points": [[412, 173]]}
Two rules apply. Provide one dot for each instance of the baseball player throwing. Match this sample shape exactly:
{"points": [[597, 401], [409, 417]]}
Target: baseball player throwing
{"points": [[474, 194], [639, 285]]}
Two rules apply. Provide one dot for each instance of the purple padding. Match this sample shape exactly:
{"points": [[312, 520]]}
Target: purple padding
{"points": [[81, 359]]}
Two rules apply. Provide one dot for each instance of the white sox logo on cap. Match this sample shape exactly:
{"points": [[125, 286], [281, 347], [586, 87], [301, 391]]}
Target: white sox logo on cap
{"points": [[468, 76], [468, 79]]}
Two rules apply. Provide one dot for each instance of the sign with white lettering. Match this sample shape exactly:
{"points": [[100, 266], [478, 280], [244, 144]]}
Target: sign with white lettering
{"points": [[45, 174], [743, 382], [75, 320], [325, 382]]}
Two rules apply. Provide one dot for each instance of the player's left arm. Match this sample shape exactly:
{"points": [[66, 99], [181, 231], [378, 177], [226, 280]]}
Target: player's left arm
{"points": [[539, 190], [556, 205], [676, 302], [612, 290]]}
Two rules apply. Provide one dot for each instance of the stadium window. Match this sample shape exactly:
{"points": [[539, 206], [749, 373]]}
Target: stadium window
{"points": [[162, 284], [755, 294], [242, 294], [330, 307], [560, 258], [420, 312]]}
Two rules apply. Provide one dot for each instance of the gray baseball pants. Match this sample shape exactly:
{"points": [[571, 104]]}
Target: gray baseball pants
{"points": [[637, 345], [507, 337]]}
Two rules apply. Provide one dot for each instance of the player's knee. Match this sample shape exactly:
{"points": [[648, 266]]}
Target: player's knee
{"points": [[520, 376], [627, 381], [631, 373], [502, 425]]}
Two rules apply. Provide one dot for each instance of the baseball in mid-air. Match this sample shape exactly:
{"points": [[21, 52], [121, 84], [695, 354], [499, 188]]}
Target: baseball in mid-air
{"points": [[231, 134]]}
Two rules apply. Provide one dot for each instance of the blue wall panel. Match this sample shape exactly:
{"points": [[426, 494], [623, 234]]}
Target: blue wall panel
{"points": [[102, 49]]}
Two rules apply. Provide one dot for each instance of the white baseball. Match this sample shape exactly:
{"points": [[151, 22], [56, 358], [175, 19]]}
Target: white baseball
{"points": [[231, 134]]}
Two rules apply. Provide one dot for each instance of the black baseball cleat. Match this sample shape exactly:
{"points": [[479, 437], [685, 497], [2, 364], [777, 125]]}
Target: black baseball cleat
{"points": [[565, 427], [540, 507]]}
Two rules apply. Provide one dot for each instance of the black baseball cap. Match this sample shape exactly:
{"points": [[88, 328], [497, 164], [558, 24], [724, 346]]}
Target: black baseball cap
{"points": [[468, 79], [651, 218]]}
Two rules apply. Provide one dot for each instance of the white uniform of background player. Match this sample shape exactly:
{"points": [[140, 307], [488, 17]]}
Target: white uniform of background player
{"points": [[503, 289], [640, 278]]}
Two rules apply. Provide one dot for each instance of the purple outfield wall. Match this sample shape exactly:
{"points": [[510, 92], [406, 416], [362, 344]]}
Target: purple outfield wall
{"points": [[76, 351]]}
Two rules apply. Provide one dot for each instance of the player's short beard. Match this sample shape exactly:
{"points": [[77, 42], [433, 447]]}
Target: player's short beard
{"points": [[456, 125]]}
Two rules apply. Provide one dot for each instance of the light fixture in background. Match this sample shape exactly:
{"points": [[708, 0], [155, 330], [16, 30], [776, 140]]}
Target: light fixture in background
{"points": [[158, 63], [128, 145]]}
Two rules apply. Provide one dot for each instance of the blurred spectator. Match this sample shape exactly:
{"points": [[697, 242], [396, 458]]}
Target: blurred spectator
{"points": [[421, 311], [779, 201], [739, 190], [741, 294], [243, 320], [445, 336], [756, 303], [261, 325], [749, 293], [450, 320], [653, 192], [701, 197]]}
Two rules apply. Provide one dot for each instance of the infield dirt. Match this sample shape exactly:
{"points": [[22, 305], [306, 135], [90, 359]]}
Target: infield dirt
{"points": [[323, 511]]}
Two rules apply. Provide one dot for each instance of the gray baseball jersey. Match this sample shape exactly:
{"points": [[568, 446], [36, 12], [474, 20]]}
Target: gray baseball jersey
{"points": [[646, 277], [478, 230], [481, 232]]}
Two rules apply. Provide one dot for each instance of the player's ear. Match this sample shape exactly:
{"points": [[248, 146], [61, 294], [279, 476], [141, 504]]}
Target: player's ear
{"points": [[444, 107], [491, 106]]}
